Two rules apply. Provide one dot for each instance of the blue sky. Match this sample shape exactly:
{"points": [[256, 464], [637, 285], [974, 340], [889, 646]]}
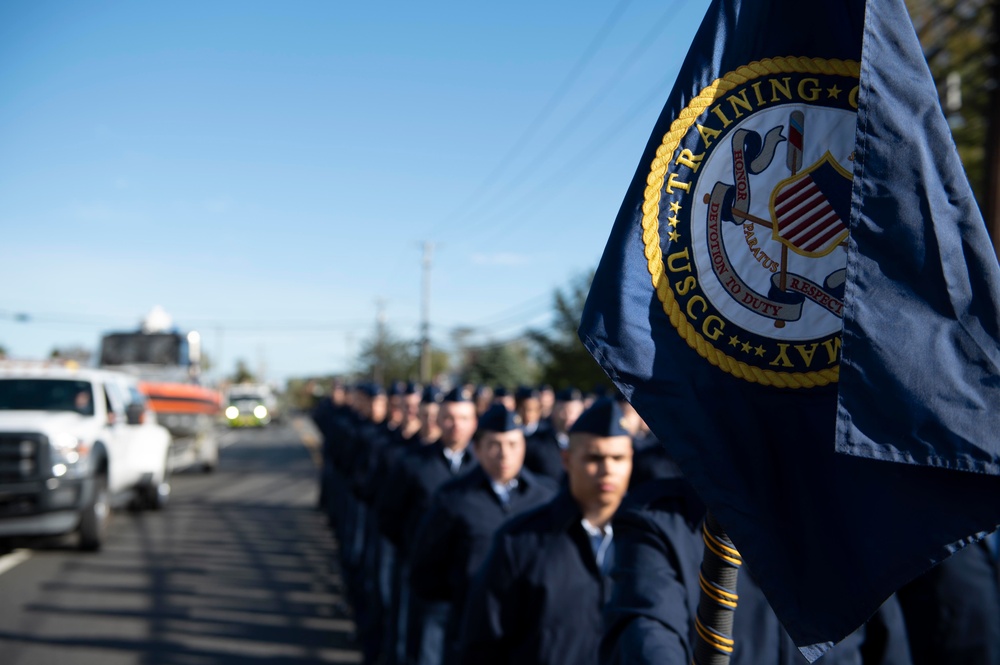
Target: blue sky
{"points": [[266, 172]]}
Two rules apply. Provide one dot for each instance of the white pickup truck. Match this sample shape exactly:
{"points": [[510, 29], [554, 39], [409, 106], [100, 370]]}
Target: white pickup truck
{"points": [[75, 443]]}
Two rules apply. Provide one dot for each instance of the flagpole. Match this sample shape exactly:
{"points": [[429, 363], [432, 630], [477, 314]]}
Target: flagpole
{"points": [[720, 566], [992, 190]]}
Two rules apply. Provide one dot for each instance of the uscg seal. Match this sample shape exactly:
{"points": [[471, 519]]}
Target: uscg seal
{"points": [[745, 219]]}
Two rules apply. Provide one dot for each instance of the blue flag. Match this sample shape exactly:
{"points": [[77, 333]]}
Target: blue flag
{"points": [[800, 298]]}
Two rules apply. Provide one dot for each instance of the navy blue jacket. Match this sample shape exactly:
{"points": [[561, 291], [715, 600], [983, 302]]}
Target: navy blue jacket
{"points": [[455, 536], [456, 533], [387, 456], [537, 599], [650, 462], [650, 616], [369, 439], [542, 454], [953, 611], [407, 493]]}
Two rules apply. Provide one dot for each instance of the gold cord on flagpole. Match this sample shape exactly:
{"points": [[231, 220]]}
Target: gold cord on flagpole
{"points": [[720, 566]]}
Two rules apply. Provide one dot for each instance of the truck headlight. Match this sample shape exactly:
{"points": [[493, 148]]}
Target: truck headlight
{"points": [[232, 412], [260, 411], [69, 454]]}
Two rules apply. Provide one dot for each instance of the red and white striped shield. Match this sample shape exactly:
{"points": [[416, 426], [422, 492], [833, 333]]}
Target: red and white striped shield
{"points": [[810, 210]]}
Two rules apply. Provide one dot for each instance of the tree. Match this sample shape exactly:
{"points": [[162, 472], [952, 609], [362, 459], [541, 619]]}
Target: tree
{"points": [[564, 360], [958, 41], [74, 353], [243, 373], [385, 358], [502, 364]]}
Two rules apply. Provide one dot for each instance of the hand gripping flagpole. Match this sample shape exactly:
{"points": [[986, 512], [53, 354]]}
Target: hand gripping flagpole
{"points": [[720, 566]]}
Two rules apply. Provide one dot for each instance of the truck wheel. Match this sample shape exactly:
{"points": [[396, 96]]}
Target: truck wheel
{"points": [[95, 517], [209, 457], [157, 493]]}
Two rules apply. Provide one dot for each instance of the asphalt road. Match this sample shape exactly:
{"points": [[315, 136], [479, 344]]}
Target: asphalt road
{"points": [[238, 568]]}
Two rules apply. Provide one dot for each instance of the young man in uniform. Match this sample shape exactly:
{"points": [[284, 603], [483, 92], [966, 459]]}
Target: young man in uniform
{"points": [[456, 533], [407, 495], [650, 617], [544, 447], [538, 597]]}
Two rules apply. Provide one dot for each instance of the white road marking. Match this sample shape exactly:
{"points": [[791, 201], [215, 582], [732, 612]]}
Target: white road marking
{"points": [[228, 438], [309, 436], [14, 558]]}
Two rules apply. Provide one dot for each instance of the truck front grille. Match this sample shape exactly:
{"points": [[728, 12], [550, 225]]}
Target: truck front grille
{"points": [[21, 456]]}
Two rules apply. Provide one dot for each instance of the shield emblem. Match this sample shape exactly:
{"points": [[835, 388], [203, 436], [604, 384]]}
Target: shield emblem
{"points": [[810, 210]]}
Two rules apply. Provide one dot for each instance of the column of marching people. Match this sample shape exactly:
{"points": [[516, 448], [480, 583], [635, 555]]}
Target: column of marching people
{"points": [[476, 526]]}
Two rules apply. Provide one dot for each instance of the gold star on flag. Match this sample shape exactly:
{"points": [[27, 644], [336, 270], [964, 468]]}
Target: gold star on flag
{"points": [[760, 351], [746, 347], [734, 340], [675, 207], [673, 221], [833, 92], [674, 236]]}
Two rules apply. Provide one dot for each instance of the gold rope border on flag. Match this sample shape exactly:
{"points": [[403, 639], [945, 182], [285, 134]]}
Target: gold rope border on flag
{"points": [[651, 213]]}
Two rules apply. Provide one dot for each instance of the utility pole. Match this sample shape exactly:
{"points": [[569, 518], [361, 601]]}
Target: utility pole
{"points": [[993, 141], [220, 369], [378, 373], [352, 362], [425, 318]]}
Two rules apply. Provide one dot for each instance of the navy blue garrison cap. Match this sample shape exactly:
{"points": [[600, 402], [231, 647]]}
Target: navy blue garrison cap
{"points": [[500, 391], [603, 418], [459, 394], [371, 389], [431, 395], [569, 395], [525, 392], [498, 418]]}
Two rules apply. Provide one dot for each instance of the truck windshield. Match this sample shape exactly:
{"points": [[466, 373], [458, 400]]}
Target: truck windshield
{"points": [[141, 349], [46, 395]]}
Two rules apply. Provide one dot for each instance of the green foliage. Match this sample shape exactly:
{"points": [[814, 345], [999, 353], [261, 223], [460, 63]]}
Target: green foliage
{"points": [[508, 364], [386, 358], [79, 354], [302, 394], [956, 36], [243, 373], [564, 360]]}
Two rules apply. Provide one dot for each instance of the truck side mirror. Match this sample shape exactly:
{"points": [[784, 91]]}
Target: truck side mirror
{"points": [[135, 413]]}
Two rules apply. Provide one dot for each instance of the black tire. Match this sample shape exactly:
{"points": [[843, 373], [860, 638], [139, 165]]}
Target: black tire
{"points": [[94, 519], [156, 494]]}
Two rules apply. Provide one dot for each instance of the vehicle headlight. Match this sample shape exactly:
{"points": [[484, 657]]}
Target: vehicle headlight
{"points": [[232, 412], [260, 411], [69, 454]]}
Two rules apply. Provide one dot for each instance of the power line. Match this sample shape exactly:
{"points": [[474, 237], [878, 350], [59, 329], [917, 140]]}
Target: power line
{"points": [[109, 322], [557, 96], [570, 169], [553, 102], [584, 111], [528, 304]]}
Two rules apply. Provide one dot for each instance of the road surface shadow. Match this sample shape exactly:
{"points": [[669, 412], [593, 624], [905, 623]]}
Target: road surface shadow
{"points": [[239, 569]]}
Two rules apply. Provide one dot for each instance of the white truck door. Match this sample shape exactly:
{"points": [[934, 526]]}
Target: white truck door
{"points": [[121, 474]]}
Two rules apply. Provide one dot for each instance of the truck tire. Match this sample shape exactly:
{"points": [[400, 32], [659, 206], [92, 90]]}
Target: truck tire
{"points": [[95, 517], [157, 493], [209, 453]]}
